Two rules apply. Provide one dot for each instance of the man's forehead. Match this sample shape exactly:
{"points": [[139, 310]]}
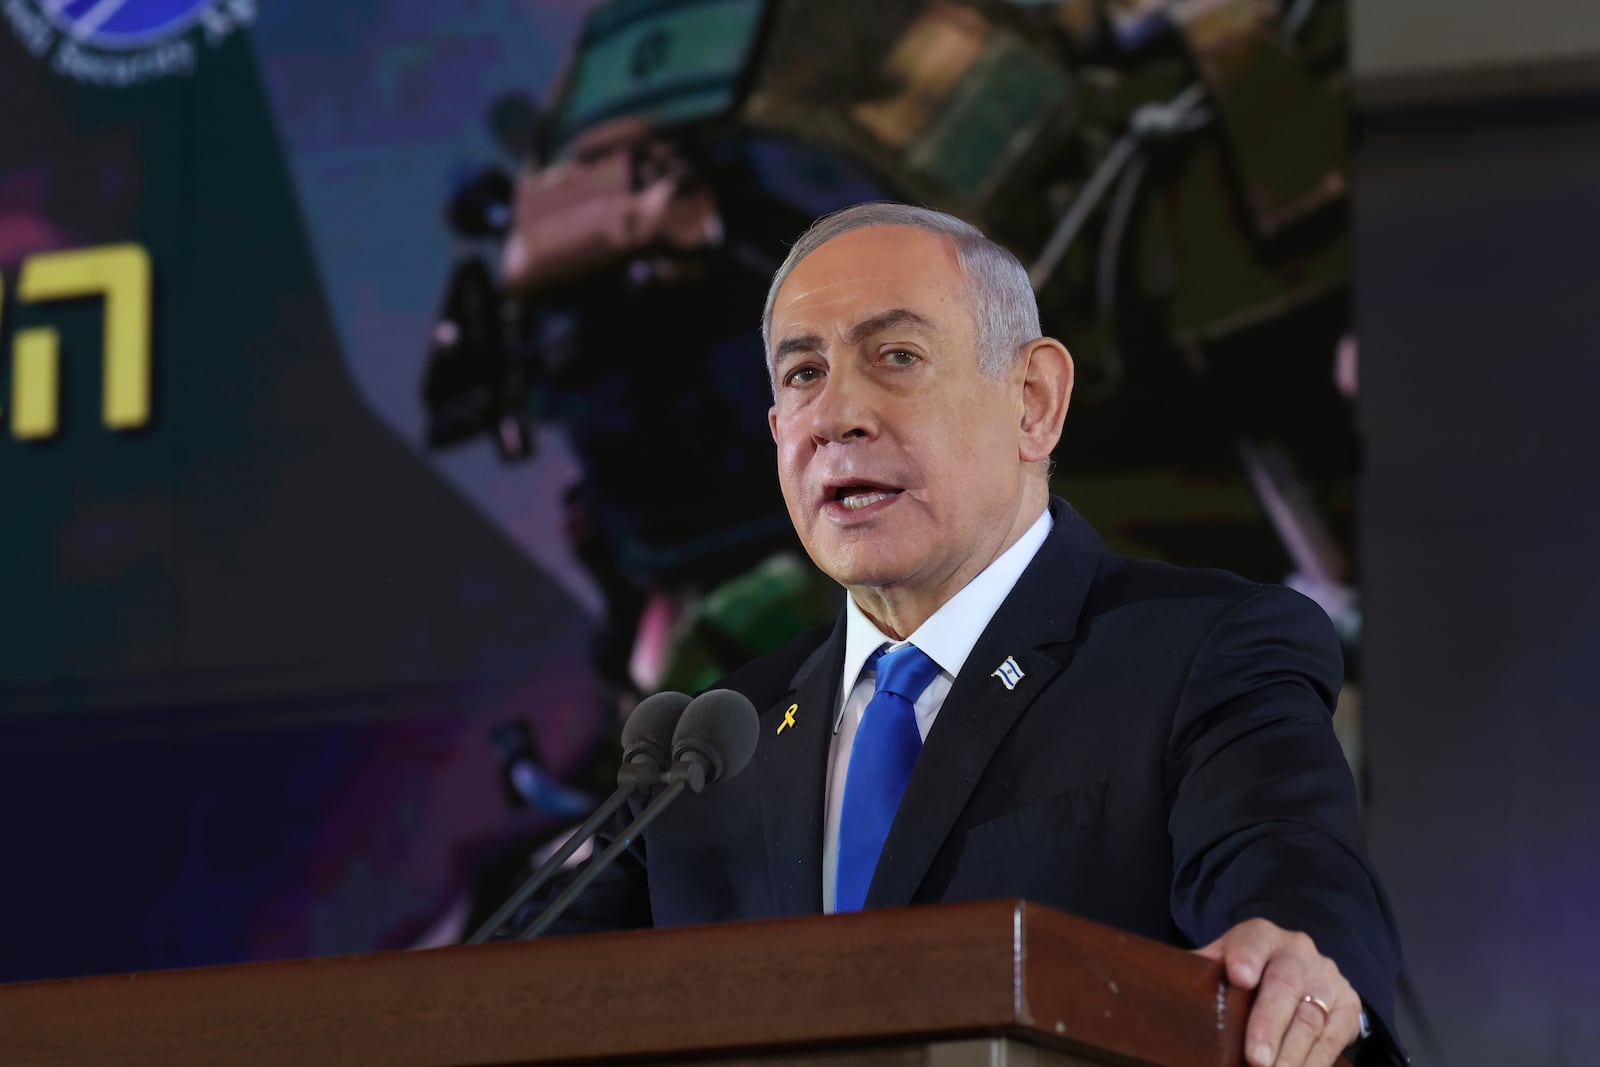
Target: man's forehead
{"points": [[821, 287]]}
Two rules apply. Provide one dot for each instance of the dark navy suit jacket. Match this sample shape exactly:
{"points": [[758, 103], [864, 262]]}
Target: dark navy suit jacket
{"points": [[1165, 765]]}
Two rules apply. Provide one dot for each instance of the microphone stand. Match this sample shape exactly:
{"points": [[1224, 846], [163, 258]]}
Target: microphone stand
{"points": [[686, 775], [631, 779]]}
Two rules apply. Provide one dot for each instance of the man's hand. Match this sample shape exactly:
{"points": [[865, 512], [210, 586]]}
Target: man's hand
{"points": [[1288, 1027]]}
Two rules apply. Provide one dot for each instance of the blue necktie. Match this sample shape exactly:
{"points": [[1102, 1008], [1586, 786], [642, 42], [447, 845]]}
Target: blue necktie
{"points": [[881, 758]]}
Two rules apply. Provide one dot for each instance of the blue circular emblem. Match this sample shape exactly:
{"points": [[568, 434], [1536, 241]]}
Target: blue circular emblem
{"points": [[122, 24]]}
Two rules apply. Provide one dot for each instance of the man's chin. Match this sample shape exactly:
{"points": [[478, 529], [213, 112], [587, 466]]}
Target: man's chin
{"points": [[872, 573], [872, 553]]}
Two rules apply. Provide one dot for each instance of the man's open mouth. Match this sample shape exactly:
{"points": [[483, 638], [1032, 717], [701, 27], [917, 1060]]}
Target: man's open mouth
{"points": [[856, 497]]}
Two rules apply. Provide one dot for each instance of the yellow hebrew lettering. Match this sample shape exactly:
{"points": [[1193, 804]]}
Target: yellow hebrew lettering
{"points": [[35, 384], [120, 273]]}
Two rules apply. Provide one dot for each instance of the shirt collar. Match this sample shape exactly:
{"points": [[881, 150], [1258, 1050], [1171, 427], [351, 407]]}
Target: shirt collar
{"points": [[950, 632]]}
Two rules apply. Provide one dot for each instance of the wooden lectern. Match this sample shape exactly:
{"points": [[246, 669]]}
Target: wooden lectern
{"points": [[1002, 982]]}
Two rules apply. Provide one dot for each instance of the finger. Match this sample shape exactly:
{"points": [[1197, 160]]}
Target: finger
{"points": [[1278, 994], [1344, 1025], [1305, 1028], [1244, 951]]}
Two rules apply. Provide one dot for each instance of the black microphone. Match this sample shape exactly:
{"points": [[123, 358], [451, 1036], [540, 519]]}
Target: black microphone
{"points": [[714, 739], [647, 738]]}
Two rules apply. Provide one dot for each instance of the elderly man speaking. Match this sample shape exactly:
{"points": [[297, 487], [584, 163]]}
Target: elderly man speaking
{"points": [[1003, 709]]}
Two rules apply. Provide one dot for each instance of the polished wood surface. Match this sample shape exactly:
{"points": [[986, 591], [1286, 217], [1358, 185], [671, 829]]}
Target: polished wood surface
{"points": [[916, 982]]}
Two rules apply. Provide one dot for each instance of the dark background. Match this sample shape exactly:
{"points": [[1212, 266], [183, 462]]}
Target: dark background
{"points": [[1476, 297]]}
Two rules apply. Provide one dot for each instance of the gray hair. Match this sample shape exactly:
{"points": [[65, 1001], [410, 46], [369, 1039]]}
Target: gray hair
{"points": [[994, 283]]}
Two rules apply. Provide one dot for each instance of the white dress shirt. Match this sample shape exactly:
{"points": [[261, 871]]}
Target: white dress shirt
{"points": [[947, 637]]}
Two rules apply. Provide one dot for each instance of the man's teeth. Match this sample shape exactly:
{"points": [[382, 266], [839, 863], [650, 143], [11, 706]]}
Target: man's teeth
{"points": [[857, 501]]}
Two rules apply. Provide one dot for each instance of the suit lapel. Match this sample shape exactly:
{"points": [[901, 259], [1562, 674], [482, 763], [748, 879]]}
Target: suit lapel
{"points": [[1034, 628], [793, 774]]}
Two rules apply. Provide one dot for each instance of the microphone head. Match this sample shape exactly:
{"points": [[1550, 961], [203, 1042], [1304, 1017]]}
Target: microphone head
{"points": [[718, 730], [647, 735]]}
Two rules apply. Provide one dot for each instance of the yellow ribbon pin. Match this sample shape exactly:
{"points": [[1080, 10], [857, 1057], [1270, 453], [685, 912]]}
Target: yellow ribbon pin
{"points": [[788, 717]]}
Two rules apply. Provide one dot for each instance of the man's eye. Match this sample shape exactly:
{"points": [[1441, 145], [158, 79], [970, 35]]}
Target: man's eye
{"points": [[899, 357], [802, 375]]}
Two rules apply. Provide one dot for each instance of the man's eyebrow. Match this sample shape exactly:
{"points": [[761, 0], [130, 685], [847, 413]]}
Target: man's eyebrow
{"points": [[805, 342], [893, 319]]}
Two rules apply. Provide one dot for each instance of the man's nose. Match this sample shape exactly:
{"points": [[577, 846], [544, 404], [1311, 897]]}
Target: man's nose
{"points": [[844, 411]]}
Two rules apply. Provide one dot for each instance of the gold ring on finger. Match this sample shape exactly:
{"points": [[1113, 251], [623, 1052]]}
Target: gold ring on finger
{"points": [[1327, 1012]]}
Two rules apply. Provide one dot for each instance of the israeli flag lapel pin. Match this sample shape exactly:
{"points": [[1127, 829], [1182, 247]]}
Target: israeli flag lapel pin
{"points": [[1008, 672]]}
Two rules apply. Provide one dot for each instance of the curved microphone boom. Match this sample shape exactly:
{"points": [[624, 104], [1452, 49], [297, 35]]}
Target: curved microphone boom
{"points": [[647, 738], [714, 739]]}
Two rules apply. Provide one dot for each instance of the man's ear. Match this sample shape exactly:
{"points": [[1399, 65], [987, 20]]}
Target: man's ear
{"points": [[1046, 392], [772, 422]]}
